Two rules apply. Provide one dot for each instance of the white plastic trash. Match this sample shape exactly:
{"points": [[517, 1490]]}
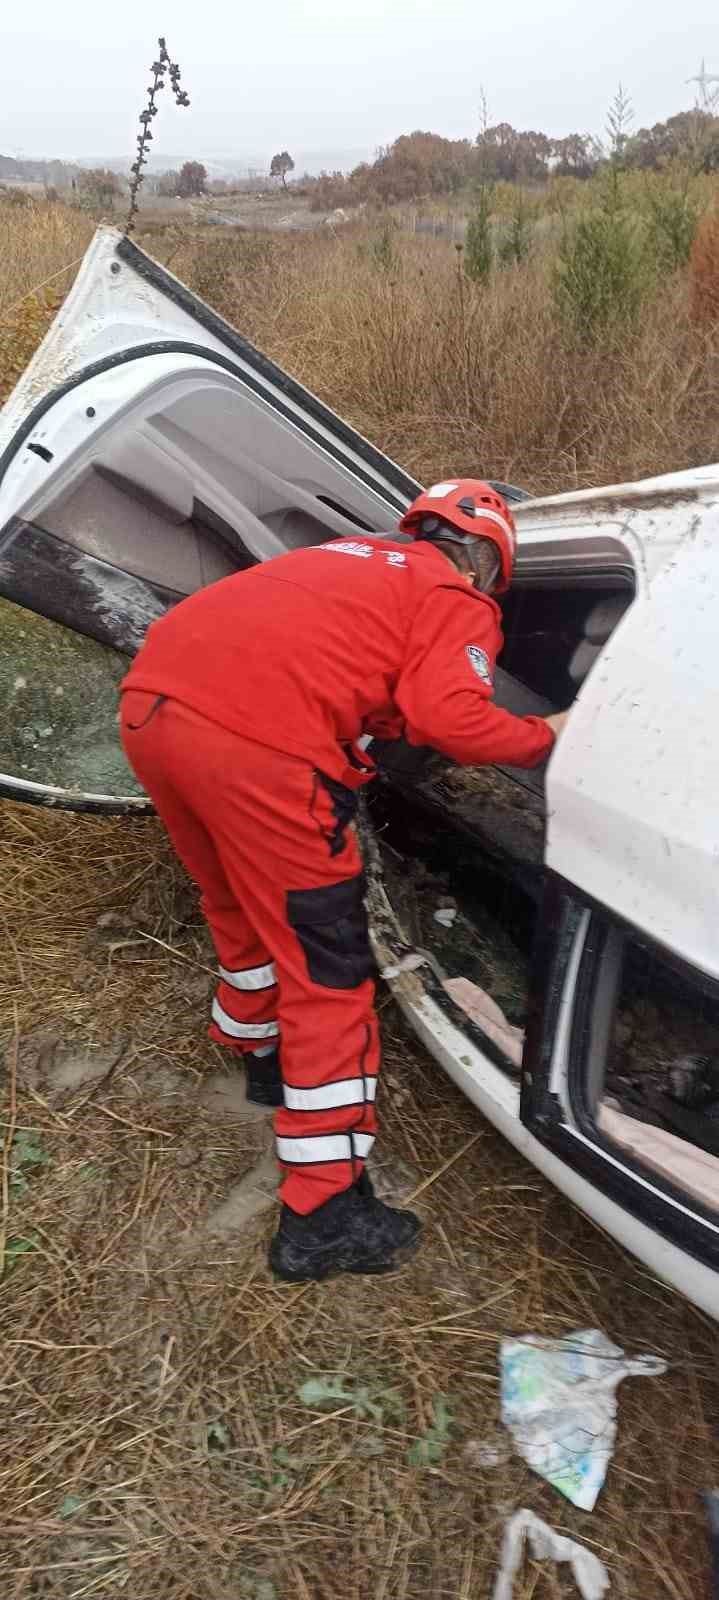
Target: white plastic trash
{"points": [[559, 1402], [589, 1573]]}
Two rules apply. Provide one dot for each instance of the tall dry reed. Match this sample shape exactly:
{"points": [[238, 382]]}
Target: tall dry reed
{"points": [[444, 373]]}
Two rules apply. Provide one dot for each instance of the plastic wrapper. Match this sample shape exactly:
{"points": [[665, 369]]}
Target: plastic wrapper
{"points": [[590, 1574], [559, 1402]]}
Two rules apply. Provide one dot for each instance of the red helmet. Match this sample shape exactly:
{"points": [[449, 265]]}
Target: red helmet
{"points": [[471, 508]]}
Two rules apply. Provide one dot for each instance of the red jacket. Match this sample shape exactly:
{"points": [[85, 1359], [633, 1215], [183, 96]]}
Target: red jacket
{"points": [[309, 651]]}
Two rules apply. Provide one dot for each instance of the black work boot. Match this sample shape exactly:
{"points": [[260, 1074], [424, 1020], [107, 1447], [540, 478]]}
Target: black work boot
{"points": [[352, 1232], [264, 1079], [365, 1186]]}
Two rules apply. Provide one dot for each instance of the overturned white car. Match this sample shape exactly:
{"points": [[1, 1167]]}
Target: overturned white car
{"points": [[552, 937]]}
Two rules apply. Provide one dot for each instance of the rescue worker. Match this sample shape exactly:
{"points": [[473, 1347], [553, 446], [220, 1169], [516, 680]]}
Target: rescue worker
{"points": [[242, 716]]}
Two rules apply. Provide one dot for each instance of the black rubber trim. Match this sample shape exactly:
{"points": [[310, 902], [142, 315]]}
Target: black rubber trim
{"points": [[619, 1183], [51, 799], [465, 1024], [694, 1233], [165, 347], [46, 575], [557, 925], [587, 976]]}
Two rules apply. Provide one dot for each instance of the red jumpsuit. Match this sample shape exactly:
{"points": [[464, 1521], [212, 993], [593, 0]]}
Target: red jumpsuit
{"points": [[269, 678]]}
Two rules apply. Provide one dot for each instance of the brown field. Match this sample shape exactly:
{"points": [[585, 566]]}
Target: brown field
{"points": [[154, 1441]]}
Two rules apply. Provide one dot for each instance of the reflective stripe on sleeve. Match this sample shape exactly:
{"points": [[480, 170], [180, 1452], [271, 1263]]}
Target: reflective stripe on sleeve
{"points": [[345, 1092], [243, 1030], [362, 1144], [251, 978]]}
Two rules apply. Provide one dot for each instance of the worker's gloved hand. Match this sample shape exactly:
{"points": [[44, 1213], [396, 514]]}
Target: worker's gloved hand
{"points": [[556, 722]]}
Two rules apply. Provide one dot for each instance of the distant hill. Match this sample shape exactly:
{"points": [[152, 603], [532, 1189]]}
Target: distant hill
{"points": [[219, 164], [233, 164], [57, 174]]}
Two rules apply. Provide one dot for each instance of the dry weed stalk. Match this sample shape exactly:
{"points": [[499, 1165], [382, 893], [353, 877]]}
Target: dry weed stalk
{"points": [[161, 69]]}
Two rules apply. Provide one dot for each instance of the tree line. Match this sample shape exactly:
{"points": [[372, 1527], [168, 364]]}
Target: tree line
{"points": [[420, 164], [423, 165]]}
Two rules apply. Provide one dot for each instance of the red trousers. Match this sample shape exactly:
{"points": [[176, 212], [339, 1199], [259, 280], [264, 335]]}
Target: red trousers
{"points": [[265, 839]]}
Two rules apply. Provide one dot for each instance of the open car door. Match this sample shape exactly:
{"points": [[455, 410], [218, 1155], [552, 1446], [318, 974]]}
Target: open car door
{"points": [[147, 450]]}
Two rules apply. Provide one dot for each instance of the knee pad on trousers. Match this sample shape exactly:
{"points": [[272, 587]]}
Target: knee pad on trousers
{"points": [[332, 928]]}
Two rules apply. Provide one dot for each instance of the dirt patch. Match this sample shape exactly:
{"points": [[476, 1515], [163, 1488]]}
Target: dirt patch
{"points": [[224, 1095], [47, 1062], [248, 1200]]}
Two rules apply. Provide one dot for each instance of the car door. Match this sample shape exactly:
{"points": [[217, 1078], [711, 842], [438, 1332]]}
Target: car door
{"points": [[147, 450]]}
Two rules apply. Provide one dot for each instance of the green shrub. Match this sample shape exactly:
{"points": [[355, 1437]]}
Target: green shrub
{"points": [[382, 250], [603, 271], [516, 241], [478, 245], [673, 220]]}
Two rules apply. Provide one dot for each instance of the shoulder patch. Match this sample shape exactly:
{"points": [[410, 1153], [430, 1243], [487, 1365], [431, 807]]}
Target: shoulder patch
{"points": [[479, 660]]}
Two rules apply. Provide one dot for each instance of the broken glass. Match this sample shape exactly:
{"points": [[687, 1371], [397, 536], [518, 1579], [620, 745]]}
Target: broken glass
{"points": [[59, 707]]}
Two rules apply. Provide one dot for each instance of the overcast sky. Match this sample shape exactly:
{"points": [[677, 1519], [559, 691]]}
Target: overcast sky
{"points": [[338, 76]]}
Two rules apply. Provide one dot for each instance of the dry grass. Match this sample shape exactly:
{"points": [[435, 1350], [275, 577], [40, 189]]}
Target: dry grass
{"points": [[42, 246], [153, 1434], [440, 372], [39, 240], [153, 1440], [446, 374]]}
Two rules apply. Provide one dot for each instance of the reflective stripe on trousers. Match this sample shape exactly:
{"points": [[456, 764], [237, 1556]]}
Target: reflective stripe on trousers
{"points": [[251, 978], [252, 826], [324, 1148], [242, 1030]]}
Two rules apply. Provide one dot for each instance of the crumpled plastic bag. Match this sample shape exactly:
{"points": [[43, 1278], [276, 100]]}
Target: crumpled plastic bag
{"points": [[589, 1573], [559, 1403]]}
